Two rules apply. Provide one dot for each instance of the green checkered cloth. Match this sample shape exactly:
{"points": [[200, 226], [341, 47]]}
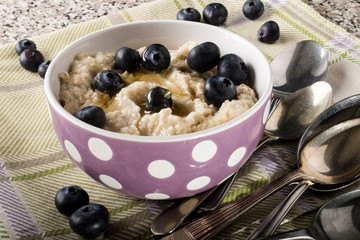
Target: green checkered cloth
{"points": [[33, 166]]}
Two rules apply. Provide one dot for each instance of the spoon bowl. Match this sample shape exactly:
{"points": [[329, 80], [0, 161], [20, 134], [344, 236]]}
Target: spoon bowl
{"points": [[332, 157], [346, 109], [337, 219], [298, 66], [295, 112]]}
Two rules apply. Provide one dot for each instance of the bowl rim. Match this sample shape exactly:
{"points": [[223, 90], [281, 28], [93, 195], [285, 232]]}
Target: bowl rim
{"points": [[55, 104]]}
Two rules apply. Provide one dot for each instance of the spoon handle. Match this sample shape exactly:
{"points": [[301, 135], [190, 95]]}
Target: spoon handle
{"points": [[214, 200], [265, 139], [172, 217], [208, 225], [275, 101], [273, 220]]}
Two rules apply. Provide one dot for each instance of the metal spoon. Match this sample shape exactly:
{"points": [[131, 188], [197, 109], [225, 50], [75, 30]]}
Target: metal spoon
{"points": [[343, 110], [289, 120], [296, 67], [327, 174], [337, 219], [339, 141]]}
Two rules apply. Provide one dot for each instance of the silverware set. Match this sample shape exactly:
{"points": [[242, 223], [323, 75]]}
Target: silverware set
{"points": [[328, 160]]}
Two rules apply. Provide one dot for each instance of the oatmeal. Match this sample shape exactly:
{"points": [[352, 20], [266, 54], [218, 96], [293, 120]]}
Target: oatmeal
{"points": [[125, 110]]}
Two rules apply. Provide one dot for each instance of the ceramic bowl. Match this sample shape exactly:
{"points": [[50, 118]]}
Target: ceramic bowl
{"points": [[170, 167]]}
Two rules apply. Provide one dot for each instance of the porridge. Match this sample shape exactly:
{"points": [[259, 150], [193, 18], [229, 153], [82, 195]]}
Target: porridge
{"points": [[125, 112]]}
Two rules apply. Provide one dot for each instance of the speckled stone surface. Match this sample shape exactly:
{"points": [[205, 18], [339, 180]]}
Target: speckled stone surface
{"points": [[26, 18], [345, 13]]}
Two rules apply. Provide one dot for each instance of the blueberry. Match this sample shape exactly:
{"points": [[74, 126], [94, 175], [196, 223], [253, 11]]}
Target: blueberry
{"points": [[158, 98], [43, 68], [24, 44], [215, 14], [92, 115], [69, 199], [30, 59], [189, 14], [108, 82], [269, 32], [203, 57], [233, 67], [218, 89], [155, 58], [253, 9], [90, 221], [127, 59]]}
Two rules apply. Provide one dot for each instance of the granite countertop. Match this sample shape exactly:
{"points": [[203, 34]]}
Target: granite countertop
{"points": [[27, 18]]}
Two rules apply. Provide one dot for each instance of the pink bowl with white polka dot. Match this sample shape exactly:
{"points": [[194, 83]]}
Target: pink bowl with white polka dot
{"points": [[161, 167]]}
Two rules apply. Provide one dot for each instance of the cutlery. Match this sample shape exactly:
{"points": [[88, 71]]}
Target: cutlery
{"points": [[335, 149], [337, 219], [289, 120], [347, 109]]}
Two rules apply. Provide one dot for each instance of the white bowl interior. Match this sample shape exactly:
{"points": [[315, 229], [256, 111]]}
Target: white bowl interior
{"points": [[171, 34]]}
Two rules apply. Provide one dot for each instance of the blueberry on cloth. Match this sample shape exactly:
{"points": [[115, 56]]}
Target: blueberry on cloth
{"points": [[158, 98], [24, 44], [269, 32], [30, 59], [43, 68], [108, 82], [69, 199], [215, 14], [90, 221], [253, 9], [155, 58], [189, 14], [203, 57], [92, 115], [233, 67], [219, 89]]}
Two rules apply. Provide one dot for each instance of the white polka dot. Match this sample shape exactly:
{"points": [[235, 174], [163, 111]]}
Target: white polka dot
{"points": [[198, 183], [110, 181], [100, 149], [204, 151], [73, 152], [161, 169], [157, 196], [266, 112], [236, 156]]}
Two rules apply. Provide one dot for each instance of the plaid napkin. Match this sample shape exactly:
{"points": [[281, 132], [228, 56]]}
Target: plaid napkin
{"points": [[33, 166]]}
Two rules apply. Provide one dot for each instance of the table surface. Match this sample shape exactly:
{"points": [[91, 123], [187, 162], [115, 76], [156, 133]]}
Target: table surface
{"points": [[26, 18]]}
